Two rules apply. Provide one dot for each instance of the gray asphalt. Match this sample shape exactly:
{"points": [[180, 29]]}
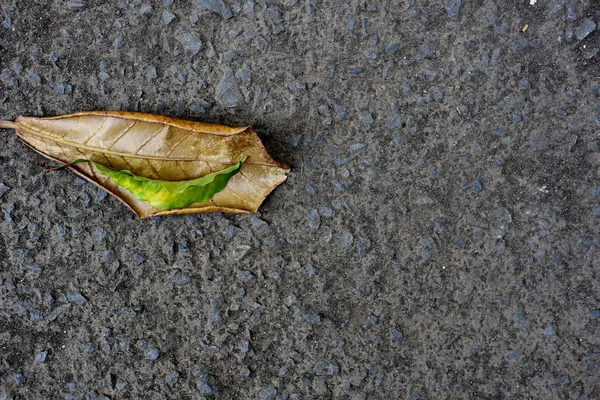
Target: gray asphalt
{"points": [[437, 237]]}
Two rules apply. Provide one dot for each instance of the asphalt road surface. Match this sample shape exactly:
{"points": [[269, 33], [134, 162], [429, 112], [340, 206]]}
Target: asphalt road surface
{"points": [[437, 237]]}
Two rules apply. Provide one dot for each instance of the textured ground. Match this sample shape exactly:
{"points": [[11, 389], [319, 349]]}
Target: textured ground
{"points": [[437, 237]]}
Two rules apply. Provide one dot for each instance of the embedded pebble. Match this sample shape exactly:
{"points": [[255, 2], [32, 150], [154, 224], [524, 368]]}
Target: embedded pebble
{"points": [[63, 88], [310, 318], [356, 148], [428, 242], [333, 370], [246, 276], [267, 393], [395, 121], [313, 219], [216, 6], [181, 279], [146, 10], [392, 48], [227, 93], [549, 331], [152, 353], [35, 268], [585, 29], [275, 275], [34, 78], [415, 287], [238, 251], [326, 211], [3, 189], [77, 5], [363, 245], [205, 385], [311, 189], [108, 256], [18, 378], [7, 23], [76, 298], [522, 317], [397, 335], [99, 235], [190, 43], [167, 17], [41, 356], [341, 111], [347, 239], [453, 7], [367, 118]]}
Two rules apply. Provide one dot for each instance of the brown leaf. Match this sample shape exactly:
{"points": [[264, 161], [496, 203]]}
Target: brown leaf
{"points": [[157, 147]]}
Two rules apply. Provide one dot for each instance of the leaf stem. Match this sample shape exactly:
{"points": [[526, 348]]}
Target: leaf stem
{"points": [[79, 160], [8, 124]]}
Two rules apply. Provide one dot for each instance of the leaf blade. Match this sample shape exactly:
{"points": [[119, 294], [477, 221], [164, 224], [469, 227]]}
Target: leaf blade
{"points": [[151, 150]]}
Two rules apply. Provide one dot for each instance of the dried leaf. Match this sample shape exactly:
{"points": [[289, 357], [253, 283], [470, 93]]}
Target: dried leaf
{"points": [[157, 148]]}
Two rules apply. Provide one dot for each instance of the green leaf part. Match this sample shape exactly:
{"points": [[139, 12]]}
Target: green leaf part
{"points": [[168, 195]]}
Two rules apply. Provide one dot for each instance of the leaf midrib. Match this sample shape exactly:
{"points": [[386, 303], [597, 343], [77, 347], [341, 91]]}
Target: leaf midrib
{"points": [[22, 128]]}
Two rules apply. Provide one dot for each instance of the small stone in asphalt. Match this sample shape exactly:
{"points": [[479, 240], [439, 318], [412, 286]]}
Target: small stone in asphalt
{"points": [[152, 353], [76, 298], [190, 43], [77, 5], [313, 219], [167, 17], [453, 7], [397, 335], [588, 26], [205, 385], [366, 118], [41, 356], [145, 10], [216, 6], [267, 393], [180, 279], [3, 189], [549, 331]]}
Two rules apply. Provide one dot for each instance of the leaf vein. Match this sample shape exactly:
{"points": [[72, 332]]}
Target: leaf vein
{"points": [[152, 168], [120, 136], [129, 166], [185, 173], [152, 137], [72, 129], [95, 133], [236, 194], [178, 143], [253, 182]]}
